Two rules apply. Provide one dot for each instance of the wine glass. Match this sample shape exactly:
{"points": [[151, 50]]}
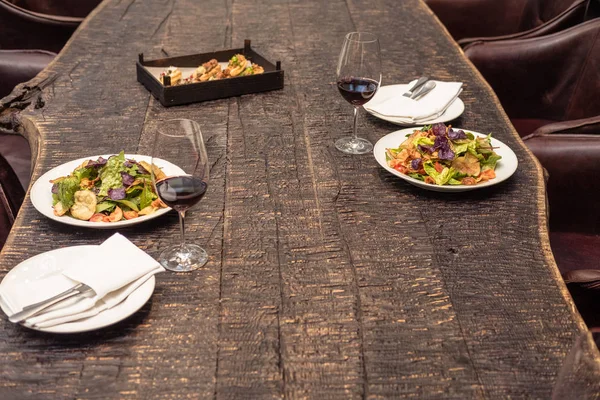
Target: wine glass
{"points": [[179, 141], [358, 78], [579, 377]]}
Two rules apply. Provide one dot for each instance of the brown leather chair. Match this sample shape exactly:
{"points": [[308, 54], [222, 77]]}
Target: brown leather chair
{"points": [[484, 20], [11, 198], [544, 80], [41, 24], [570, 152]]}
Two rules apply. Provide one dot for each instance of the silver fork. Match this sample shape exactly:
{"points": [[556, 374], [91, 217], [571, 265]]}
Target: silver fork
{"points": [[35, 308]]}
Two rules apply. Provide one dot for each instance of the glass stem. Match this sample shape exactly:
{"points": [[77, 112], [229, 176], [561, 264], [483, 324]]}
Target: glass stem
{"points": [[355, 126], [182, 227]]}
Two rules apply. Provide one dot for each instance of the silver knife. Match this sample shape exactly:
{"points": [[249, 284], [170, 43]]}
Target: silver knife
{"points": [[420, 82], [35, 308]]}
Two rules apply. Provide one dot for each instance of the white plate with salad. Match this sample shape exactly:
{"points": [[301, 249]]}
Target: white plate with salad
{"points": [[98, 189], [445, 159]]}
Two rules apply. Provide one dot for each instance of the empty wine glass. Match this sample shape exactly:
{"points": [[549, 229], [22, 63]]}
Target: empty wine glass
{"points": [[579, 377], [358, 78], [179, 141]]}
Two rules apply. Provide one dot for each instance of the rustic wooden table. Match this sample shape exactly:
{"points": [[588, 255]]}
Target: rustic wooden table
{"points": [[328, 277]]}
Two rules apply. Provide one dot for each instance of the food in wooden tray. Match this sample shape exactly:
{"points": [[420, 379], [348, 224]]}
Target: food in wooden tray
{"points": [[171, 77], [209, 71]]}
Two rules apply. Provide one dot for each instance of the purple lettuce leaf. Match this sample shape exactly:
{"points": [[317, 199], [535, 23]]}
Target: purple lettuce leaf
{"points": [[442, 145], [439, 129], [100, 162], [456, 135], [117, 194], [55, 188], [127, 179], [440, 142], [445, 154], [415, 164], [129, 163]]}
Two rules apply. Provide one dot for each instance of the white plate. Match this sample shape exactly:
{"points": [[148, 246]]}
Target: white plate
{"points": [[52, 262], [504, 169], [386, 92], [41, 192]]}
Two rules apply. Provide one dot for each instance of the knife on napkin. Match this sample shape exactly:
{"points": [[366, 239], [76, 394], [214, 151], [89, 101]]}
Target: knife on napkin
{"points": [[408, 110]]}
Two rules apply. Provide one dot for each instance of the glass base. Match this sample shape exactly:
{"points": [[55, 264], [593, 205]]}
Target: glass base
{"points": [[183, 259], [352, 145]]}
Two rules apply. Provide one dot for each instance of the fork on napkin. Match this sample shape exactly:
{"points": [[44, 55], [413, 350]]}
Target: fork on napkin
{"points": [[430, 106], [113, 271]]}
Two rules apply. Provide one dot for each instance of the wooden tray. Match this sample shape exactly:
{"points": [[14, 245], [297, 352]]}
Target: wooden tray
{"points": [[271, 79]]}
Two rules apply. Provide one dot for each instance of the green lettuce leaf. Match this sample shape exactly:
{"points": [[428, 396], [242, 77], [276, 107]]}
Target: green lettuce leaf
{"points": [[128, 203], [85, 172], [146, 197], [66, 191], [105, 206], [110, 174], [417, 176], [462, 148], [440, 178], [423, 140], [490, 162]]}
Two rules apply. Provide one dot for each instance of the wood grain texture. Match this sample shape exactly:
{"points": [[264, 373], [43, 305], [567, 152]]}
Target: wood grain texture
{"points": [[328, 278]]}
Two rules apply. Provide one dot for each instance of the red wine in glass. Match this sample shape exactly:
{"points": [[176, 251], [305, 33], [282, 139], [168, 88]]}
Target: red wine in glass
{"points": [[181, 192], [179, 142], [357, 91], [358, 78]]}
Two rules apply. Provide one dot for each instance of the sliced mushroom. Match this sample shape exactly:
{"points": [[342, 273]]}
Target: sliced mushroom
{"points": [[85, 205], [59, 209]]}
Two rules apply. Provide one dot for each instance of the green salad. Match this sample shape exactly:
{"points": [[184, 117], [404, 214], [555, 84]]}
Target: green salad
{"points": [[107, 190], [440, 155]]}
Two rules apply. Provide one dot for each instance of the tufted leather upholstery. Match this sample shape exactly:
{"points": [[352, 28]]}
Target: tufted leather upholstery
{"points": [[540, 80], [11, 198], [476, 20]]}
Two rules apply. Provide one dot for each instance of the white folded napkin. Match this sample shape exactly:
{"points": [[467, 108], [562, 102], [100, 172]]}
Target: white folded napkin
{"points": [[113, 270], [430, 105]]}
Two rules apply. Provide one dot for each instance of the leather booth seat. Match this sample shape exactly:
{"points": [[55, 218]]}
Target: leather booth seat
{"points": [[18, 66], [570, 152], [544, 80], [11, 198], [66, 8], [471, 21], [41, 24]]}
